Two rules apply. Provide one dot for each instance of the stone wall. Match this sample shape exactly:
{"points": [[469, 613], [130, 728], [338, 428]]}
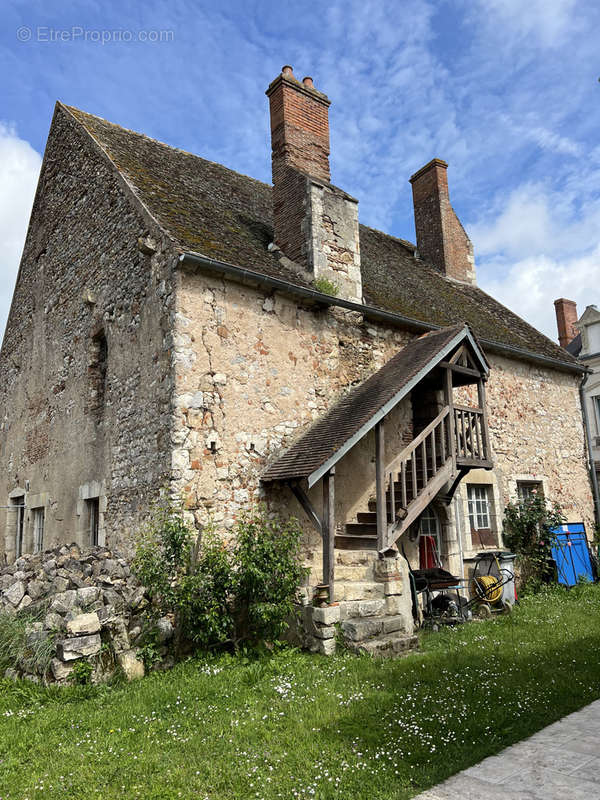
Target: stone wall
{"points": [[83, 607], [77, 424]]}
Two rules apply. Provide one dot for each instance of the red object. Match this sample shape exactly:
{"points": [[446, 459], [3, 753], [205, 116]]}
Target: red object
{"points": [[427, 552]]}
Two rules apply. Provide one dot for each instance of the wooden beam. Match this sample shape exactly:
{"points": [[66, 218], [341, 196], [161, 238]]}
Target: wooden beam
{"points": [[474, 373], [450, 403], [304, 501], [380, 484], [329, 532], [485, 434]]}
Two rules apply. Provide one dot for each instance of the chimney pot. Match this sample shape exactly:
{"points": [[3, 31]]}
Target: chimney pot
{"points": [[288, 71], [308, 82]]}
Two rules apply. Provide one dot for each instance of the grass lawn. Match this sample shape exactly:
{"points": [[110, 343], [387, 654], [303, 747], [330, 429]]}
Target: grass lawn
{"points": [[300, 726]]}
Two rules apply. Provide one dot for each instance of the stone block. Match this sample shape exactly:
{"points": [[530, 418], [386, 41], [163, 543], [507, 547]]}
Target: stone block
{"points": [[53, 621], [35, 589], [359, 629], [387, 569], [326, 646], [84, 624], [164, 629], [131, 665], [326, 615], [393, 587], [14, 594], [87, 595], [324, 632], [394, 604], [64, 601], [25, 603], [359, 591], [79, 647], [60, 670], [395, 623], [361, 608]]}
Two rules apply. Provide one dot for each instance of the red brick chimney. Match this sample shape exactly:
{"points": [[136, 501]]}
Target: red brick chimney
{"points": [[566, 317], [441, 239], [315, 223]]}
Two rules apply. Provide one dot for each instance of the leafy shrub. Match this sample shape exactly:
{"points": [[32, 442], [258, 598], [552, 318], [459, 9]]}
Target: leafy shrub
{"points": [[528, 532], [269, 571], [82, 673], [326, 287], [218, 595]]}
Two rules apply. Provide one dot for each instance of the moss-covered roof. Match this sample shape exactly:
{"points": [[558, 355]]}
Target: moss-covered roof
{"points": [[209, 209]]}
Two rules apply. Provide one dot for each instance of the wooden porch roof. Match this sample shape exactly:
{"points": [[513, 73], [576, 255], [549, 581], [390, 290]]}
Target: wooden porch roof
{"points": [[355, 414]]}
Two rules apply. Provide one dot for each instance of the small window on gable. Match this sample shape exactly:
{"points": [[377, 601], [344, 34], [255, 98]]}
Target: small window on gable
{"points": [[39, 516], [92, 508], [98, 371]]}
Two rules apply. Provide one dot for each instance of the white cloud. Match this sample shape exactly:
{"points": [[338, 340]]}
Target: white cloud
{"points": [[549, 21], [541, 245], [19, 170]]}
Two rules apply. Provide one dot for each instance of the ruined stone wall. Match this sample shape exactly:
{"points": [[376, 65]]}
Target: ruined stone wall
{"points": [[85, 369]]}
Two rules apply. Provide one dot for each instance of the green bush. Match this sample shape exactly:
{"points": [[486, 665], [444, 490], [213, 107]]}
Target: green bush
{"points": [[268, 574], [219, 595], [19, 649], [528, 532]]}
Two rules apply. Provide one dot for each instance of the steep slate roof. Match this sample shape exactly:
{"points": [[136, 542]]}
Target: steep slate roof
{"points": [[356, 413], [574, 346], [209, 209]]}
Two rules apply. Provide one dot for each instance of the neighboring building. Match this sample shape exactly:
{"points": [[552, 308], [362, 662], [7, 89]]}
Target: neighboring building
{"points": [[170, 326], [581, 338]]}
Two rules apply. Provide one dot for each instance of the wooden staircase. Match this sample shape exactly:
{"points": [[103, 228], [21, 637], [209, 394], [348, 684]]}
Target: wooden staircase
{"points": [[411, 481]]}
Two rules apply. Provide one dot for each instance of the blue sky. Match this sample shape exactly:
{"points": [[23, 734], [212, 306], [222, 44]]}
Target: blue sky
{"points": [[506, 91]]}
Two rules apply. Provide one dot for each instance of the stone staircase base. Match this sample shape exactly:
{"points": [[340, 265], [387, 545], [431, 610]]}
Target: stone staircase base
{"points": [[373, 609]]}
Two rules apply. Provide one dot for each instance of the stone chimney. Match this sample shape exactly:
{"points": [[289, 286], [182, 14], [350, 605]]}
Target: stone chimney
{"points": [[441, 239], [316, 224], [566, 319]]}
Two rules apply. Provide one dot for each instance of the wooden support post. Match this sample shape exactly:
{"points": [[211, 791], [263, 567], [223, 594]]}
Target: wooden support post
{"points": [[329, 532], [485, 438], [380, 487], [451, 420]]}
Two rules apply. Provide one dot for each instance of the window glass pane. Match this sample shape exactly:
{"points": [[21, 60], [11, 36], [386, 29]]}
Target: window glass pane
{"points": [[479, 513], [38, 529]]}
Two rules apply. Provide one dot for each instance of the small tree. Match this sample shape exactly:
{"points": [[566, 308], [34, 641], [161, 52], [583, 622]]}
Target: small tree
{"points": [[529, 532]]}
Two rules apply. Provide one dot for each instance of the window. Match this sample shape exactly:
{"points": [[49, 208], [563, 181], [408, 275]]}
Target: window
{"points": [[526, 490], [429, 539], [479, 507], [93, 517], [18, 504], [596, 402], [38, 529]]}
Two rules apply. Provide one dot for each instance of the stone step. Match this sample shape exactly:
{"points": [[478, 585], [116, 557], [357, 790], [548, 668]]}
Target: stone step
{"points": [[359, 630], [360, 590], [350, 609], [348, 542], [391, 645], [355, 557], [354, 572]]}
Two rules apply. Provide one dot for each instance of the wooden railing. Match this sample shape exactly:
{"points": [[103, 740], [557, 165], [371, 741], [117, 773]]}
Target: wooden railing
{"points": [[470, 434], [409, 472]]}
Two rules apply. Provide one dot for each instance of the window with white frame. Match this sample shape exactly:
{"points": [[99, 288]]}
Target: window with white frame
{"points": [[38, 529], [479, 507]]}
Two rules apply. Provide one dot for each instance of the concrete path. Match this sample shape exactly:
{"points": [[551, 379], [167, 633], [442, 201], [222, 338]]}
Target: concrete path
{"points": [[561, 762]]}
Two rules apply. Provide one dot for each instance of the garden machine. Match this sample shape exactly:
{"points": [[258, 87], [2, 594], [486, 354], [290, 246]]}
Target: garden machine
{"points": [[491, 587]]}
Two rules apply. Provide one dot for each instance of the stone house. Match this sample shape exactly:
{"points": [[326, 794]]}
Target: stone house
{"points": [[178, 323], [581, 338]]}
